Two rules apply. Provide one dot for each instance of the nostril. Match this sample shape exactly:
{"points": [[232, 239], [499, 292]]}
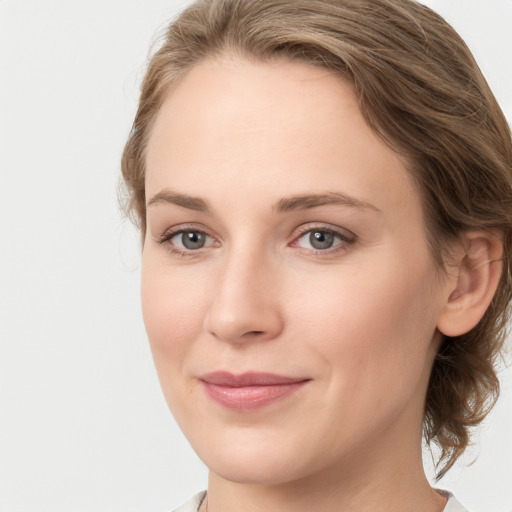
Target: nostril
{"points": [[236, 318], [254, 333]]}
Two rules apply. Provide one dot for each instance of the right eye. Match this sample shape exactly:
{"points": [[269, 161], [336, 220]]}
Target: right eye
{"points": [[190, 240]]}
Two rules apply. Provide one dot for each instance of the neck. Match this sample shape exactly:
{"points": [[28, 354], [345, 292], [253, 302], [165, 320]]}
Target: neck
{"points": [[405, 493], [369, 480]]}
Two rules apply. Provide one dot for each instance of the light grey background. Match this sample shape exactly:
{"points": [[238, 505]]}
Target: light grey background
{"points": [[83, 425]]}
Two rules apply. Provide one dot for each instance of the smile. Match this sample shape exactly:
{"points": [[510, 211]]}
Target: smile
{"points": [[249, 390]]}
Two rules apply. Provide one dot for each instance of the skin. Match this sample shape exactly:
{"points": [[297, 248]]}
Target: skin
{"points": [[359, 319]]}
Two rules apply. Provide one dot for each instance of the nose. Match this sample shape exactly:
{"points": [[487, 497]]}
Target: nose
{"points": [[245, 303]]}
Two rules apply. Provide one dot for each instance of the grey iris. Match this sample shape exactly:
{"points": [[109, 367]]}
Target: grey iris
{"points": [[193, 239], [321, 239]]}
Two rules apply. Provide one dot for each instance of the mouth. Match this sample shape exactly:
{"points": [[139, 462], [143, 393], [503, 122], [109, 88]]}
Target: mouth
{"points": [[251, 390]]}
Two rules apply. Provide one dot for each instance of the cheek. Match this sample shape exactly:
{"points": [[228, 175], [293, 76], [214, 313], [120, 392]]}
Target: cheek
{"points": [[173, 316], [173, 312], [373, 324]]}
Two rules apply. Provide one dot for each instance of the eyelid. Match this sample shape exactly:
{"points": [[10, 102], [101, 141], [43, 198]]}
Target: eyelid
{"points": [[165, 237], [344, 233], [348, 238], [182, 228]]}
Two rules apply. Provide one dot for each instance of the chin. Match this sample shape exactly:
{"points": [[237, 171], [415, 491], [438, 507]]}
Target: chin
{"points": [[258, 470], [257, 463]]}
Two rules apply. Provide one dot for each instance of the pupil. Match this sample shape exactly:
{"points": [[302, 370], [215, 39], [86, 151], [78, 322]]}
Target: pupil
{"points": [[321, 239], [193, 240]]}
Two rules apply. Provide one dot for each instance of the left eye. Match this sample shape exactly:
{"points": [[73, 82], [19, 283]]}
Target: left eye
{"points": [[319, 240], [191, 240]]}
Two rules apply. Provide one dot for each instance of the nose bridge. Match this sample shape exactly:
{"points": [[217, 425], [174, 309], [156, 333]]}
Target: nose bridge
{"points": [[245, 304]]}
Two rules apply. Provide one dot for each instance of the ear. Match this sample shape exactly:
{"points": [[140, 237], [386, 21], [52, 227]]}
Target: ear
{"points": [[477, 272]]}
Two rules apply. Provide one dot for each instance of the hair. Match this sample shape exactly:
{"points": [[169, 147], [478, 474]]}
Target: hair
{"points": [[420, 89]]}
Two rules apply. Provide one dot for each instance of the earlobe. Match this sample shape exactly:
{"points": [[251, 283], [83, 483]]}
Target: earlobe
{"points": [[478, 273]]}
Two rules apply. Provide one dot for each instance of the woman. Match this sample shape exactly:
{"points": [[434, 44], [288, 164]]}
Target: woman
{"points": [[324, 192]]}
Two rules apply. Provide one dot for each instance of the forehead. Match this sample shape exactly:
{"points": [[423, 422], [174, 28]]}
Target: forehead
{"points": [[270, 128]]}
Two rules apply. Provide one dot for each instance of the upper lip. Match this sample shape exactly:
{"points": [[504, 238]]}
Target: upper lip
{"points": [[223, 378]]}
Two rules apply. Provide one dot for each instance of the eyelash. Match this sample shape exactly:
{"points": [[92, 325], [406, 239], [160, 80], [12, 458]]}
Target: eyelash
{"points": [[167, 236], [346, 239]]}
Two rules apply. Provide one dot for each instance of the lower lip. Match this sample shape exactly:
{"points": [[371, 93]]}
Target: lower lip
{"points": [[250, 397]]}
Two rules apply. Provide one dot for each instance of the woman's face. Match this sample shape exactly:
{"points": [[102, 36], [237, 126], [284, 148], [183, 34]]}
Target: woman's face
{"points": [[287, 289]]}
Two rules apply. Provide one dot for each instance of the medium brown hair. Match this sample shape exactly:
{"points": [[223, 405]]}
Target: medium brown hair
{"points": [[420, 89]]}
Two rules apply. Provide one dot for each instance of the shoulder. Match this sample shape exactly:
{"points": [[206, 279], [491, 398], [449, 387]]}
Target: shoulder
{"points": [[452, 505], [193, 504]]}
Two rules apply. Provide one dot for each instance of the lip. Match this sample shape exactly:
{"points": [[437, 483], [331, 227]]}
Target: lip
{"points": [[251, 390]]}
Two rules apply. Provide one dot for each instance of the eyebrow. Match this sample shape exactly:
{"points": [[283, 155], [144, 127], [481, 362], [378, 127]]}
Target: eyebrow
{"points": [[306, 201], [183, 200], [286, 204]]}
